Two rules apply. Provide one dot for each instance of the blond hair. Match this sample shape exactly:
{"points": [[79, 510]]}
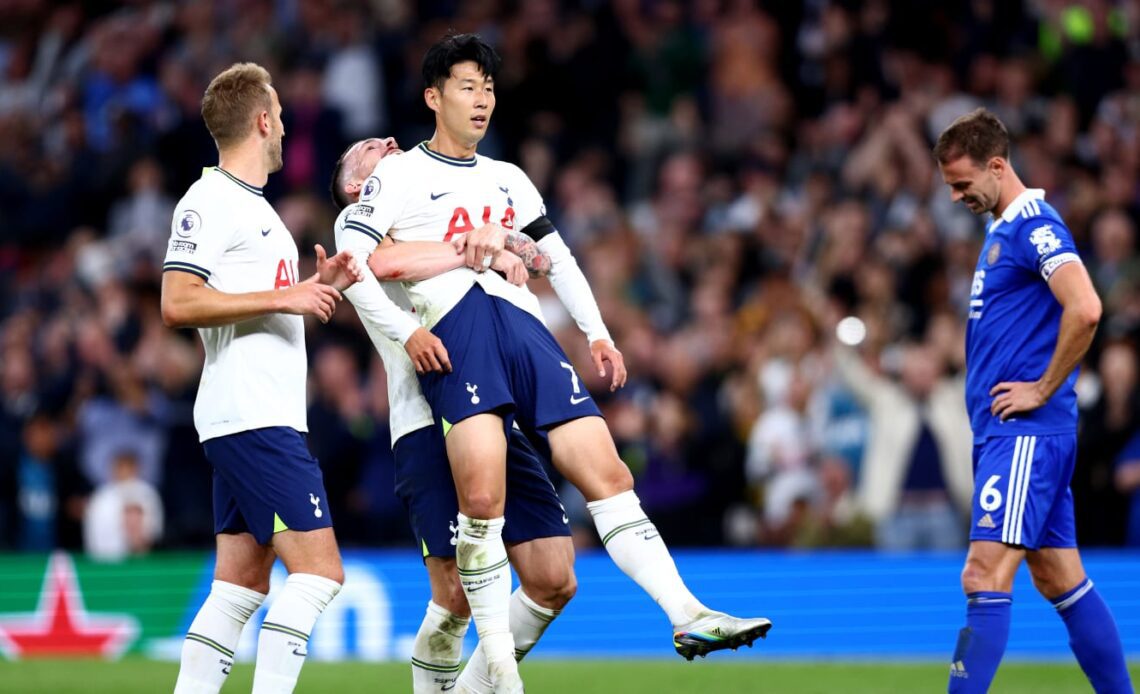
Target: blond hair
{"points": [[233, 98]]}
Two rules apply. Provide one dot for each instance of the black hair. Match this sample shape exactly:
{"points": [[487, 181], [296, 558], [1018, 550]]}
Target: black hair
{"points": [[336, 189], [458, 48]]}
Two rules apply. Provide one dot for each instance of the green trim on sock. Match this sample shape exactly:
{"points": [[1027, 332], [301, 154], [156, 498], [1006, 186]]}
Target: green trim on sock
{"points": [[610, 535], [434, 668], [479, 572], [211, 643], [271, 626]]}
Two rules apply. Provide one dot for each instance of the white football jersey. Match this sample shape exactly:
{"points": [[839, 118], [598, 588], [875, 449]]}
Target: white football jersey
{"points": [[408, 410], [225, 232], [422, 195]]}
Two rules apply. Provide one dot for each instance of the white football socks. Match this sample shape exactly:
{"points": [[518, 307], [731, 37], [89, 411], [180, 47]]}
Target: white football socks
{"points": [[636, 547], [528, 622], [208, 652], [481, 558], [437, 650], [284, 639]]}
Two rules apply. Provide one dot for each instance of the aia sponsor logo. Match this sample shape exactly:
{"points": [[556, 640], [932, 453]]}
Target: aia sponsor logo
{"points": [[286, 274]]}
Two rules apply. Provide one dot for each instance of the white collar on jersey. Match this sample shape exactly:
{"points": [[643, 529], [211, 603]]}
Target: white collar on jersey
{"points": [[1021, 201]]}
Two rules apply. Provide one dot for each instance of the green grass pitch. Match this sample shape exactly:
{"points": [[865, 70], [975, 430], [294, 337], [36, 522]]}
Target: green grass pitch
{"points": [[561, 677]]}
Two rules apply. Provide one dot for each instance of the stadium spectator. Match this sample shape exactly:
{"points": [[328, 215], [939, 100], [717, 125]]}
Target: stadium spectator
{"points": [[124, 515], [915, 477], [712, 165]]}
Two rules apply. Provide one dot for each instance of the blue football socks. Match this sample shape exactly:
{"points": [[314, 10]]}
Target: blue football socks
{"points": [[1094, 638], [981, 643]]}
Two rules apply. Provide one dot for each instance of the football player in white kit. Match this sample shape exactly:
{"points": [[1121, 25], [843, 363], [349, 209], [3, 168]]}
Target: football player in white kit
{"points": [[231, 272], [506, 364], [536, 530]]}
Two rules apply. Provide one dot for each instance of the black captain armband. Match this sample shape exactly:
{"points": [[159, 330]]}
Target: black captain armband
{"points": [[539, 228]]}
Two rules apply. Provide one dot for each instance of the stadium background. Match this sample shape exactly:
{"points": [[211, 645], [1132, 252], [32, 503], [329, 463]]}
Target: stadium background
{"points": [[733, 176]]}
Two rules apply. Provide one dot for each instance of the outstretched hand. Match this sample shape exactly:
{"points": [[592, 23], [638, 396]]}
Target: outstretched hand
{"points": [[602, 351], [340, 271]]}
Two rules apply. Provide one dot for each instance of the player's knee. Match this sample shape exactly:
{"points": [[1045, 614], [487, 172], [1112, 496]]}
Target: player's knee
{"points": [[483, 505], [259, 585], [976, 576], [250, 578], [453, 600], [335, 574], [553, 588], [615, 479], [1049, 582]]}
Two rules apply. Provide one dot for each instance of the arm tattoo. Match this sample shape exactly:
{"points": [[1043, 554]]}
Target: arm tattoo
{"points": [[537, 263]]}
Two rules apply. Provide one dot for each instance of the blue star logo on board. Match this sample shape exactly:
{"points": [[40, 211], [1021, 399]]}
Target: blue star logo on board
{"points": [[188, 223], [370, 188]]}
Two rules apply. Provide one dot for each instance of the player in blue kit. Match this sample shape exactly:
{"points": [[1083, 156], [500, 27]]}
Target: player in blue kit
{"points": [[1033, 312]]}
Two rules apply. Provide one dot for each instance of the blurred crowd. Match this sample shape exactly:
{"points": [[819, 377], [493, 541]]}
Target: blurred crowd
{"points": [[742, 181]]}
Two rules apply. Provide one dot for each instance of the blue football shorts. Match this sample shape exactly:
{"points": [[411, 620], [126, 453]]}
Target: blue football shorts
{"points": [[424, 484], [503, 360], [1021, 491], [266, 481]]}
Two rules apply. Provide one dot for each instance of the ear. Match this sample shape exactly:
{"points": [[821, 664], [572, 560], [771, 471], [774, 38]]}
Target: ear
{"points": [[264, 126], [353, 187], [997, 166], [431, 98]]}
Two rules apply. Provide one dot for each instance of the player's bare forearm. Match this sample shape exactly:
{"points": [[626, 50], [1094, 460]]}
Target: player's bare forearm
{"points": [[537, 263], [412, 261], [1080, 315], [1073, 341], [188, 303]]}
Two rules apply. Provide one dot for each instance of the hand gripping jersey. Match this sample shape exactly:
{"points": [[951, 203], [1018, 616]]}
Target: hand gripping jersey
{"points": [[1014, 318], [225, 232]]}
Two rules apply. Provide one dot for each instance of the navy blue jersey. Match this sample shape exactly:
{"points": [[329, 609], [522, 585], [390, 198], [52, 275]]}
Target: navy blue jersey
{"points": [[1015, 319]]}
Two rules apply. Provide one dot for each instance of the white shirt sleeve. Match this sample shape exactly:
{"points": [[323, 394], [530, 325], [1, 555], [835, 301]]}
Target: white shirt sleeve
{"points": [[572, 288], [382, 200], [372, 304], [565, 275], [199, 235]]}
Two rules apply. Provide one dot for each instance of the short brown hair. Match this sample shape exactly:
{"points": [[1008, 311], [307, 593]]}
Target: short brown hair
{"points": [[232, 99], [978, 134]]}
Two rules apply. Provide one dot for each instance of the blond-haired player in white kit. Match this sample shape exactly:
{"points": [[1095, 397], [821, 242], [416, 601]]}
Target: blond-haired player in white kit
{"points": [[231, 272], [506, 366]]}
